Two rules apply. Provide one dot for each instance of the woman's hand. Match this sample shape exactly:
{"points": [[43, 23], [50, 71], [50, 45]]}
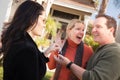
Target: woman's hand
{"points": [[52, 47], [56, 44]]}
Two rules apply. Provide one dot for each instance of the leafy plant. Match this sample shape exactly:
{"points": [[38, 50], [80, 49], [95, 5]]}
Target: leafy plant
{"points": [[52, 26], [48, 75], [50, 30], [1, 73], [90, 42]]}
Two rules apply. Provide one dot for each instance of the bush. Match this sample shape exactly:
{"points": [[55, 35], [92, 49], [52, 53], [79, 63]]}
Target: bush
{"points": [[90, 42], [1, 73], [48, 75]]}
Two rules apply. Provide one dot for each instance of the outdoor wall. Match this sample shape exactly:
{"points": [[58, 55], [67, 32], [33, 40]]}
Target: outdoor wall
{"points": [[3, 9]]}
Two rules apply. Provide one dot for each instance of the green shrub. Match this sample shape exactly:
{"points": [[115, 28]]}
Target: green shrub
{"points": [[1, 73], [90, 42], [48, 75]]}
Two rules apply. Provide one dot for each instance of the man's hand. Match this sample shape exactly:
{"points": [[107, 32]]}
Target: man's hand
{"points": [[61, 59]]}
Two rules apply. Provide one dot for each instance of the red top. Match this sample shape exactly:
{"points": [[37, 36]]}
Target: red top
{"points": [[70, 54]]}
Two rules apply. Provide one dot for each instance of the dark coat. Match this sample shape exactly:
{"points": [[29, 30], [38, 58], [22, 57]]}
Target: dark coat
{"points": [[24, 61]]}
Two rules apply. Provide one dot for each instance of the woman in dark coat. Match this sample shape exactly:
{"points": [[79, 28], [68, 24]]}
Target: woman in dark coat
{"points": [[22, 59]]}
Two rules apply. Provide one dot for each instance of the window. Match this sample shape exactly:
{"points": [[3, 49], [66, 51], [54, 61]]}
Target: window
{"points": [[64, 15]]}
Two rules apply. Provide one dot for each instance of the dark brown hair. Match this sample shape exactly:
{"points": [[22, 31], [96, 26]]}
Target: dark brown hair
{"points": [[111, 22], [25, 17]]}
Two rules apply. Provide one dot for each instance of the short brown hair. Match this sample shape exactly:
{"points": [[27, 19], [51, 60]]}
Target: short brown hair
{"points": [[111, 22]]}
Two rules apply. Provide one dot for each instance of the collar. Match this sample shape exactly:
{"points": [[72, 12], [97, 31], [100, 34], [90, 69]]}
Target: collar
{"points": [[71, 43]]}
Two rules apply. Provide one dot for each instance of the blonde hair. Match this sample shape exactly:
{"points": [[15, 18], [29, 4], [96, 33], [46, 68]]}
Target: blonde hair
{"points": [[71, 25]]}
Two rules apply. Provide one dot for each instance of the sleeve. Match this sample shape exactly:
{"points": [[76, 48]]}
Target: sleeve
{"points": [[45, 58], [26, 63], [106, 67], [52, 62]]}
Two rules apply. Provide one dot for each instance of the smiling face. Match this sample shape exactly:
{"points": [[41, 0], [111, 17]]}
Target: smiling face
{"points": [[101, 33], [76, 32]]}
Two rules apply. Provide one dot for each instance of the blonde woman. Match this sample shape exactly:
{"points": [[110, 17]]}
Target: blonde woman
{"points": [[74, 49]]}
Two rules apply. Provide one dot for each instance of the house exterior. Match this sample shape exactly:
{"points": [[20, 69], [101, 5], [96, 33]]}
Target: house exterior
{"points": [[65, 10]]}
